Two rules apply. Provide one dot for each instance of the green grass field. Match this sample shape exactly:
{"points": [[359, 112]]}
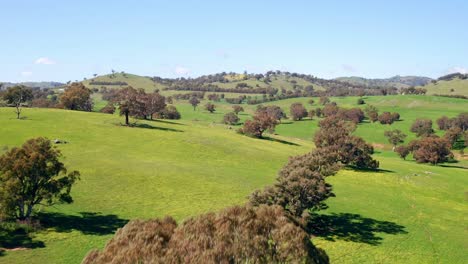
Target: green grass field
{"points": [[405, 213], [460, 87]]}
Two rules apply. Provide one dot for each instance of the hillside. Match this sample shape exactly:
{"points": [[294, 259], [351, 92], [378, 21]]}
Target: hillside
{"points": [[395, 81], [42, 85], [404, 213], [455, 86]]}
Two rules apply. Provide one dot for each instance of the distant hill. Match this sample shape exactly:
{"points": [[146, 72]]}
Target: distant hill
{"points": [[457, 85], [395, 81], [41, 85]]}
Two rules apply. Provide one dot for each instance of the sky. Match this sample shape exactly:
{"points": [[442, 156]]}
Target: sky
{"points": [[71, 40]]}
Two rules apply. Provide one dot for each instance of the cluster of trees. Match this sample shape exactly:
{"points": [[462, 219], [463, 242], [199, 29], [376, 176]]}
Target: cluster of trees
{"points": [[31, 175], [413, 90], [77, 97], [386, 118], [430, 148]]}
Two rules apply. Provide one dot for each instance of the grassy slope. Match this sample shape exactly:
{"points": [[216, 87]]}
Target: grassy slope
{"points": [[135, 81], [141, 173], [443, 87]]}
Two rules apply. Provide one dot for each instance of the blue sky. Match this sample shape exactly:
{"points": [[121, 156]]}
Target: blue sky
{"points": [[69, 40]]}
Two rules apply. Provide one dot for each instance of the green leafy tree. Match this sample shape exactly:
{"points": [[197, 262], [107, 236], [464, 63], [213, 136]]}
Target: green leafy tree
{"points": [[33, 175], [395, 137], [17, 96]]}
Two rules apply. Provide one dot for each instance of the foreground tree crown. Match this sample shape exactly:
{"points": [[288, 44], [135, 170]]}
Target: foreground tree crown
{"points": [[32, 175]]}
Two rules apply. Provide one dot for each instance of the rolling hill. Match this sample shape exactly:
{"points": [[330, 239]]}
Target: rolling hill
{"points": [[395, 81], [455, 86]]}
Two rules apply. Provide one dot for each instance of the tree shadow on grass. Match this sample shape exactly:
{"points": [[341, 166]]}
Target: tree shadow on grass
{"points": [[17, 237], [352, 227], [166, 122], [281, 141], [155, 127], [87, 223], [369, 170]]}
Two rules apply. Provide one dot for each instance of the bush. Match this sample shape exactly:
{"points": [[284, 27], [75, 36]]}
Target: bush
{"points": [[231, 118], [108, 109], [210, 107], [170, 112], [360, 101]]}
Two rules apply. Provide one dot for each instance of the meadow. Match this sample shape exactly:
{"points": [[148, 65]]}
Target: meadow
{"points": [[403, 213]]}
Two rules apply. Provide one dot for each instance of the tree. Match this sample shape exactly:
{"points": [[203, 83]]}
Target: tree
{"points": [[262, 121], [17, 96], [395, 116], [237, 109], [311, 101], [422, 127], [360, 101], [395, 137], [431, 149], [169, 112], [239, 234], [231, 118], [372, 113], [154, 103], [272, 110], [324, 100], [318, 112], [194, 102], [300, 184], [330, 110], [402, 151], [210, 107], [385, 118], [77, 97], [298, 111], [336, 134], [452, 135], [130, 102], [311, 113], [444, 123], [32, 175]]}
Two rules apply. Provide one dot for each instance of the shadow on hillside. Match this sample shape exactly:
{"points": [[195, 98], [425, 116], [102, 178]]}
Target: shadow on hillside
{"points": [[87, 223], [281, 141], [369, 170], [146, 126], [166, 122], [17, 237], [352, 227], [453, 166]]}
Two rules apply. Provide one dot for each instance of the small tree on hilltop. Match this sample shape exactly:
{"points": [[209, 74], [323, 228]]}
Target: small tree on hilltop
{"points": [[298, 111], [231, 118], [17, 96], [194, 102], [33, 175], [237, 109], [395, 137], [210, 107], [422, 127]]}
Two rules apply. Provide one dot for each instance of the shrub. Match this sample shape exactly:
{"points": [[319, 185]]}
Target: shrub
{"points": [[360, 101], [298, 111], [231, 118], [385, 118]]}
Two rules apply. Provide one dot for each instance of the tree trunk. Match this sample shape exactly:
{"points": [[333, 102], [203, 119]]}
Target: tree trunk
{"points": [[18, 112], [126, 119]]}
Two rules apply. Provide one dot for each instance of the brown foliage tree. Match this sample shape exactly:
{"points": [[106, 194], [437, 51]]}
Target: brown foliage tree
{"points": [[108, 109], [194, 102], [444, 123], [262, 121], [311, 113], [210, 107], [32, 175], [231, 118], [77, 97], [130, 102], [237, 109], [239, 234], [385, 118], [355, 115], [298, 111], [272, 110], [422, 127], [431, 149], [402, 151], [154, 103], [330, 110], [324, 100], [452, 135], [336, 134]]}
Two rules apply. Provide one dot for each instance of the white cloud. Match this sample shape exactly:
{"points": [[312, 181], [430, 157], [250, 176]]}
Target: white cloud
{"points": [[26, 73], [461, 70], [348, 68], [45, 61], [179, 70]]}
